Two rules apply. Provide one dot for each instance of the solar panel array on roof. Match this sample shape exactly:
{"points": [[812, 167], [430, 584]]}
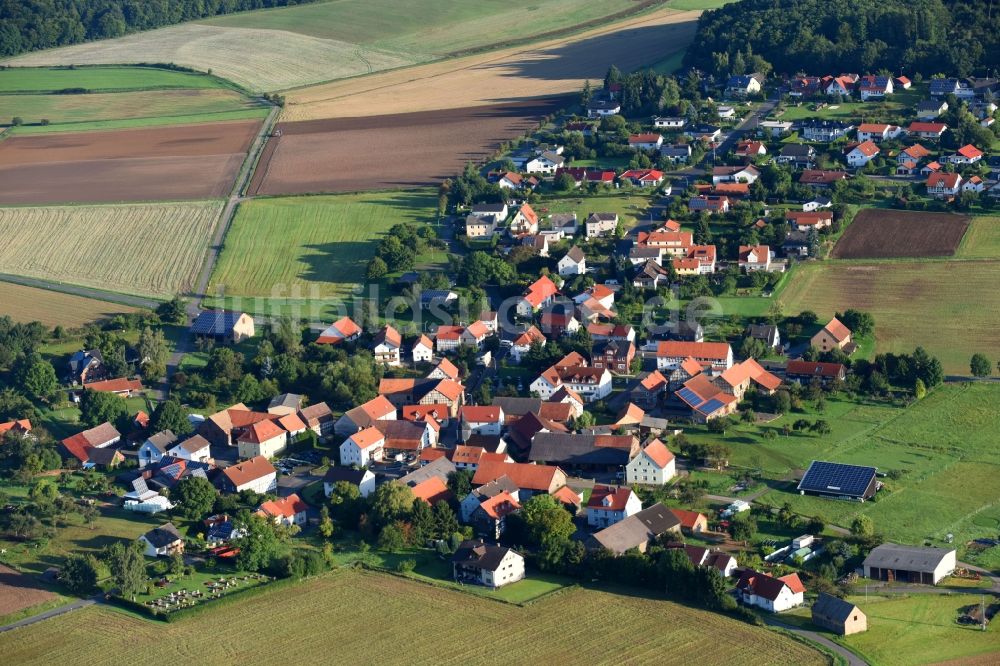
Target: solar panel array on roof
{"points": [[710, 406], [837, 479], [689, 396]]}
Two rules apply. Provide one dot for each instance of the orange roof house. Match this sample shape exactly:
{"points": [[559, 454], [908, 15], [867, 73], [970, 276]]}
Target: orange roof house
{"points": [[834, 336], [432, 490], [342, 330], [692, 522]]}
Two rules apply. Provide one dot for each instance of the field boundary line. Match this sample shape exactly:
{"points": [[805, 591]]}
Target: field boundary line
{"points": [[134, 301]]}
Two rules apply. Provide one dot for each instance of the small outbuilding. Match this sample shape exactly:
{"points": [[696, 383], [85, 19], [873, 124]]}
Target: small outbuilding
{"points": [[839, 616]]}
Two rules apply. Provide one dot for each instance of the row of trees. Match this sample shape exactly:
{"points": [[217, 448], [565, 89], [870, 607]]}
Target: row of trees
{"points": [[42, 24]]}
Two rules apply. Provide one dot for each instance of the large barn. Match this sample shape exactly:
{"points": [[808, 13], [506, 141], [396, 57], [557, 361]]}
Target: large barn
{"points": [[909, 564], [838, 480]]}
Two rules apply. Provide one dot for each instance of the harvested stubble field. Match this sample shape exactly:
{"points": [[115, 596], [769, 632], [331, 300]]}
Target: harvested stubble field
{"points": [[398, 151], [19, 591], [951, 308], [165, 163], [418, 624], [555, 67], [147, 249], [886, 234], [308, 44], [52, 308]]}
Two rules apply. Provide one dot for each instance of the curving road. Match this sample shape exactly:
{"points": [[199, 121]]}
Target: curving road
{"points": [[852, 659]]}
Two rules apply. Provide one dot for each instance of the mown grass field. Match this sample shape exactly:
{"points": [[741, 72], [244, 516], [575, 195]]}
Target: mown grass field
{"points": [[406, 623], [100, 79], [948, 307], [303, 45], [53, 308], [317, 247], [920, 629], [982, 240], [147, 249], [631, 208], [943, 446]]}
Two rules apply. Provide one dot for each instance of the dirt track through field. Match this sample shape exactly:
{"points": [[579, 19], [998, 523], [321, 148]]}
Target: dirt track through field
{"points": [[177, 162], [892, 234], [555, 67], [394, 151]]}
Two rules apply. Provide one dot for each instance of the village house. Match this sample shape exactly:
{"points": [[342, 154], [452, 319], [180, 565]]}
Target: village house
{"points": [[710, 204], [515, 181], [833, 336], [192, 449], [735, 174], [529, 479], [766, 333], [489, 517], [501, 486], [546, 163], [81, 445], [774, 128], [155, 448], [484, 564], [677, 153], [929, 109], [496, 211], [804, 372], [256, 474], [841, 85], [423, 350], [650, 141], [706, 557], [363, 448], [874, 87], [163, 540], [927, 130], [645, 178], [437, 298], [541, 292], [524, 222], [803, 221], [386, 346], [825, 131], [647, 391], [820, 178], [975, 184], [572, 263], [754, 258], [750, 149], [654, 466], [20, 426], [798, 155], [908, 160], [637, 531], [476, 420], [600, 224], [652, 275], [583, 451], [862, 154], [362, 479], [669, 122], [967, 154], [743, 85], [566, 223], [615, 355], [574, 372], [609, 504], [598, 108], [480, 227], [772, 594], [286, 511], [670, 354], [223, 326], [877, 132], [839, 616], [364, 415], [522, 343], [264, 438], [342, 330], [691, 522], [86, 366], [319, 419], [286, 403], [122, 387]]}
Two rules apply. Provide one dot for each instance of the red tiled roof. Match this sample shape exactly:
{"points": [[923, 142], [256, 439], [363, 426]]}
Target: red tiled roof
{"points": [[261, 432], [529, 213], [814, 368], [431, 490], [249, 470], [487, 414], [837, 330], [448, 368], [793, 583], [390, 336], [659, 453], [969, 151], [810, 219], [367, 438], [867, 148], [567, 495], [339, 330], [286, 506], [528, 477], [433, 453], [448, 332], [292, 423], [644, 138], [500, 505], [23, 425], [615, 498], [678, 349], [935, 128], [653, 381], [689, 519], [540, 290], [120, 385]]}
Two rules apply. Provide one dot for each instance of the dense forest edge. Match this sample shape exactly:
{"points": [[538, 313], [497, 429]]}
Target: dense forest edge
{"points": [[31, 25], [902, 37]]}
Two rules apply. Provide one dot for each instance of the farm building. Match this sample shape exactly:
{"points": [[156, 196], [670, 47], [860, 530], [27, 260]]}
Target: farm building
{"points": [[838, 480], [909, 564], [223, 325], [839, 616]]}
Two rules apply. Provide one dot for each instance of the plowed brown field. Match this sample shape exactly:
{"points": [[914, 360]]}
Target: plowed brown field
{"points": [[394, 151], [19, 591], [177, 162], [888, 234]]}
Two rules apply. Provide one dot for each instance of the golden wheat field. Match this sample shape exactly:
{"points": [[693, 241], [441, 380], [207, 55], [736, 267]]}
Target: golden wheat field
{"points": [[52, 308], [362, 618], [146, 249]]}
